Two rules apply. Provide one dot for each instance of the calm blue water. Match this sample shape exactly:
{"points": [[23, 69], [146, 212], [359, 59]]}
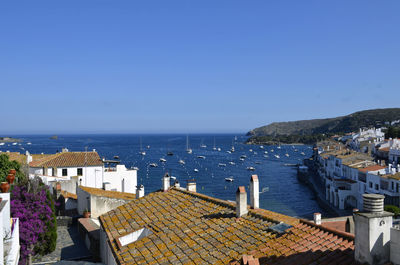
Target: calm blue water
{"points": [[281, 190]]}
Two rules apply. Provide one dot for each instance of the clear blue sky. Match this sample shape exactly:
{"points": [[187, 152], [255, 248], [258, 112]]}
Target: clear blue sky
{"points": [[193, 66]]}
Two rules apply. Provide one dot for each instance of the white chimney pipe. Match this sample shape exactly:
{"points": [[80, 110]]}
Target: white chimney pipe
{"points": [[177, 185], [254, 192], [191, 186], [106, 186], [372, 231], [139, 191], [241, 202], [317, 218], [166, 182]]}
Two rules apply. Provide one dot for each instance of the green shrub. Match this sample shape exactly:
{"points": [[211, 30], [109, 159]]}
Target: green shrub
{"points": [[393, 209]]}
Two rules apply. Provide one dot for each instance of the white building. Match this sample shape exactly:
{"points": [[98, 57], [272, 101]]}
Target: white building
{"points": [[9, 243], [366, 139], [348, 174], [74, 169]]}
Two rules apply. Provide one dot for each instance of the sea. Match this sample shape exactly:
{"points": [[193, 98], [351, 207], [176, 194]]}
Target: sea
{"points": [[210, 163]]}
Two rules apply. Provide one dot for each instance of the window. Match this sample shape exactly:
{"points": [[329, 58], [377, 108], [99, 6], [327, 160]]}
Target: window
{"points": [[64, 172], [376, 186], [79, 172]]}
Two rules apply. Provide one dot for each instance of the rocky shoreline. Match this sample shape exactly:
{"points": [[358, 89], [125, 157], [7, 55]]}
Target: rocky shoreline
{"points": [[9, 140]]}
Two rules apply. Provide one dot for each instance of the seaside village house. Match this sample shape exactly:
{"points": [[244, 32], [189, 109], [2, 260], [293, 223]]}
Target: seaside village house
{"points": [[9, 243], [348, 174], [69, 172], [180, 226], [83, 169], [365, 140]]}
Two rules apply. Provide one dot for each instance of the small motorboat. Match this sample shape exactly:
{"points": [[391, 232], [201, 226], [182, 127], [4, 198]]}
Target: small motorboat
{"points": [[201, 157], [219, 149], [257, 162], [287, 155], [261, 147], [241, 159], [229, 179], [195, 170], [163, 160], [222, 165], [243, 156], [143, 153], [170, 154], [265, 152], [251, 168], [181, 162], [231, 163], [302, 153], [172, 177], [153, 165], [277, 156], [250, 150], [116, 157]]}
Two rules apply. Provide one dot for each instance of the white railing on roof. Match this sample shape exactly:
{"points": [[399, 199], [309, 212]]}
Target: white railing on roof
{"points": [[11, 244]]}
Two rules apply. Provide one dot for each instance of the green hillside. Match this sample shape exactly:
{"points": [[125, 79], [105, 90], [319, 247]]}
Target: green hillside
{"points": [[306, 131]]}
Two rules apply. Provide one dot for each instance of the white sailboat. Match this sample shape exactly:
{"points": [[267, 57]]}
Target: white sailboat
{"points": [[214, 148], [143, 153], [188, 149]]}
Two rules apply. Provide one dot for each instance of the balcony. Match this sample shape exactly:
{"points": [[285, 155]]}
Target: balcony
{"points": [[11, 244]]}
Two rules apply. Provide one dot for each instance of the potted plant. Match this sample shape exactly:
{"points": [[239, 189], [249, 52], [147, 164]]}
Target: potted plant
{"points": [[86, 213], [4, 186]]}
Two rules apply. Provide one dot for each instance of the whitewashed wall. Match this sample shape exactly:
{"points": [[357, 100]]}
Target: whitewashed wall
{"points": [[122, 175]]}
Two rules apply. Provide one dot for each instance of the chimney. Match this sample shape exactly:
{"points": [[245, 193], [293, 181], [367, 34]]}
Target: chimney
{"points": [[139, 191], [241, 202], [372, 231], [177, 185], [254, 192], [191, 185], [166, 182], [317, 218], [106, 186], [395, 245], [28, 157]]}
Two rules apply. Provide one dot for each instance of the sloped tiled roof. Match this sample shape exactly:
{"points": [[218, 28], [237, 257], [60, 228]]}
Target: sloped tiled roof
{"points": [[69, 159], [109, 193], [21, 158], [372, 168], [190, 228]]}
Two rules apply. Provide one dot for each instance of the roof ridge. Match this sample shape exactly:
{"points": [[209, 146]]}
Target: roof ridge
{"points": [[259, 213], [45, 159], [338, 233]]}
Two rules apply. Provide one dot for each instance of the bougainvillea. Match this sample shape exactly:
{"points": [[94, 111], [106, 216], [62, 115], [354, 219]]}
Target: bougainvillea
{"points": [[32, 205]]}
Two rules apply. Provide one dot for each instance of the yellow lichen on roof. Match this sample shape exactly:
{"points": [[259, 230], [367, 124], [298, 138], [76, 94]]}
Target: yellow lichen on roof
{"points": [[395, 176], [191, 228], [67, 194], [109, 193]]}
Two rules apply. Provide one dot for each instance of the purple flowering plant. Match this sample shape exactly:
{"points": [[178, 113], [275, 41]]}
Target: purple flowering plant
{"points": [[31, 203]]}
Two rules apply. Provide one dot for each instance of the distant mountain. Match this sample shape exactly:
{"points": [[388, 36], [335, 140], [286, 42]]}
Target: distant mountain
{"points": [[343, 124]]}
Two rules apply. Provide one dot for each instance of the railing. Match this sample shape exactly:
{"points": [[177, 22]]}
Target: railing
{"points": [[11, 244]]}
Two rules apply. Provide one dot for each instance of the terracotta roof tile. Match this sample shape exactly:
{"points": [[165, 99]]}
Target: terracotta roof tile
{"points": [[190, 228], [69, 159], [372, 168], [109, 194]]}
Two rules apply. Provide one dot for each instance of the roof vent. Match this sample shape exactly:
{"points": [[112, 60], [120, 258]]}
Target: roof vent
{"points": [[134, 236], [280, 228], [373, 203]]}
